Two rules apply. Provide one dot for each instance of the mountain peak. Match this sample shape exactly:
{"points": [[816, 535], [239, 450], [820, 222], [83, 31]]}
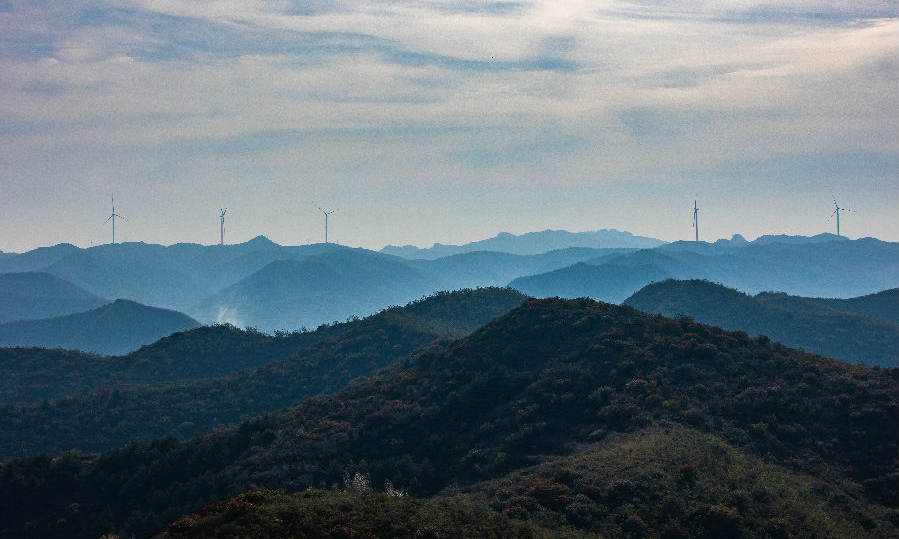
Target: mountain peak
{"points": [[260, 240]]}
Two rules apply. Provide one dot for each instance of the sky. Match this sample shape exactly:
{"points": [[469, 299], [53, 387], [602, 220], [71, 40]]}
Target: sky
{"points": [[429, 121]]}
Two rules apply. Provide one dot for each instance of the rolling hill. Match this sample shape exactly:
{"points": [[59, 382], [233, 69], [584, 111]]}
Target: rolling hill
{"points": [[609, 282], [798, 322], [115, 328], [883, 305], [30, 375], [833, 269], [30, 295], [571, 415], [109, 418], [289, 294], [490, 268]]}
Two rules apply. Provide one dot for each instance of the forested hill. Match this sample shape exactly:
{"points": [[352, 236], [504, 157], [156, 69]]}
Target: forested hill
{"points": [[813, 324], [34, 374], [532, 386], [884, 304], [333, 356]]}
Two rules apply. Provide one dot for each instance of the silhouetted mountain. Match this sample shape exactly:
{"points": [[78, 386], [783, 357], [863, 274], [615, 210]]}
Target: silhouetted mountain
{"points": [[289, 294], [106, 419], [794, 240], [794, 321], [30, 295], [824, 269], [531, 243], [608, 282], [36, 259], [884, 305], [701, 433], [178, 276], [116, 328], [489, 268], [135, 271]]}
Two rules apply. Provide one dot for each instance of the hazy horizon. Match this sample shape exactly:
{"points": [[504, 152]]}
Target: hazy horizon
{"points": [[427, 246], [436, 121]]}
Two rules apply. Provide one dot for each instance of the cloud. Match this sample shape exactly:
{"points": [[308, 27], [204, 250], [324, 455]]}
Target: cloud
{"points": [[222, 96]]}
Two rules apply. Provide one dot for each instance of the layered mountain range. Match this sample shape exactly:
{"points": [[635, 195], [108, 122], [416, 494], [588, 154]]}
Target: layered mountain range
{"points": [[560, 418], [270, 287]]}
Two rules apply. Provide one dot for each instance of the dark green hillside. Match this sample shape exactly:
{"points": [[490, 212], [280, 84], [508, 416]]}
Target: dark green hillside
{"points": [[117, 328], [106, 419], [35, 374], [610, 282], [674, 481], [528, 387], [29, 375], [32, 295], [883, 304], [799, 322], [336, 514]]}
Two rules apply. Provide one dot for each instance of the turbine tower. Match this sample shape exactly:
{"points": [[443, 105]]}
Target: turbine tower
{"points": [[696, 219], [837, 213], [112, 217], [327, 213], [222, 230]]}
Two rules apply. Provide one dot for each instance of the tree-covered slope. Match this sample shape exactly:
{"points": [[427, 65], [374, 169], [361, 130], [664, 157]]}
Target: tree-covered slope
{"points": [[884, 304], [528, 387], [108, 418], [804, 323], [116, 328], [33, 374]]}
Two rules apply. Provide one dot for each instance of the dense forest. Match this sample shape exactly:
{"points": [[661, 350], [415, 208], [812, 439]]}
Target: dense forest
{"points": [[862, 333], [560, 417], [331, 357]]}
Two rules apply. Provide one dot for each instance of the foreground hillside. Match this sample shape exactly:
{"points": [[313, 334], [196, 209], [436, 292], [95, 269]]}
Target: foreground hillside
{"points": [[116, 328], [539, 384], [331, 357], [812, 324]]}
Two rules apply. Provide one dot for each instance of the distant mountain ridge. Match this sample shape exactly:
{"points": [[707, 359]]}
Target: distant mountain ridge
{"points": [[831, 269], [30, 295], [530, 243], [807, 323], [289, 294], [115, 328], [238, 283]]}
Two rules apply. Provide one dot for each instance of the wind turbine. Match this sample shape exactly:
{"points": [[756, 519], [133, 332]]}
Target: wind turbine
{"points": [[222, 217], [112, 216], [837, 213], [696, 219], [327, 213]]}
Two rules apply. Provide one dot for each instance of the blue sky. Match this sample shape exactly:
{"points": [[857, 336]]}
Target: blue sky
{"points": [[432, 120]]}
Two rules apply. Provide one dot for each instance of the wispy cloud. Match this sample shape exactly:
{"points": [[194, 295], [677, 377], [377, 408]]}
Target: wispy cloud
{"points": [[410, 95]]}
